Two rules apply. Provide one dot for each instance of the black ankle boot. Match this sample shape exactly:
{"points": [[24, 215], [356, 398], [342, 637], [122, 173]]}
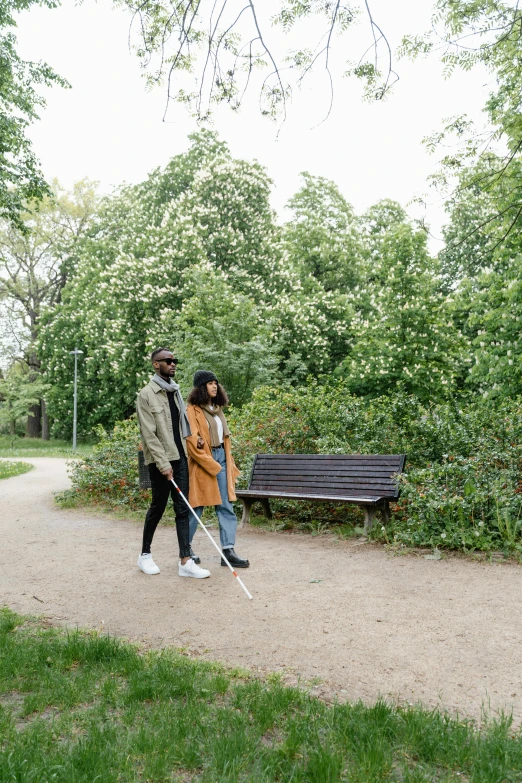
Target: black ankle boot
{"points": [[234, 560]]}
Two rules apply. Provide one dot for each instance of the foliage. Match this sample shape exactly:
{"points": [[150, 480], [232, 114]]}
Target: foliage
{"points": [[37, 260], [403, 333], [463, 503], [209, 56], [495, 312], [203, 227], [35, 263], [481, 270], [18, 394], [462, 484], [20, 177], [9, 469], [485, 33], [223, 330], [110, 474], [126, 714], [322, 237]]}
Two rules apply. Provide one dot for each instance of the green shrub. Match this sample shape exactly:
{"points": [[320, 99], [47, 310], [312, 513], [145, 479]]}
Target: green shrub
{"points": [[463, 466], [110, 474], [463, 475], [461, 504]]}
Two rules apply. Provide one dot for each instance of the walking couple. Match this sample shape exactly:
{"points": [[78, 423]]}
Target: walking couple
{"points": [[191, 445]]}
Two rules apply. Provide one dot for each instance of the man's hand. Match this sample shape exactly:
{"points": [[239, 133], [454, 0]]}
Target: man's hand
{"points": [[168, 474]]}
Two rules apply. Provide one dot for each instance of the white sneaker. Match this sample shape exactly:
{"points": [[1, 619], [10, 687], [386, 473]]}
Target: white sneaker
{"points": [[147, 564], [192, 569]]}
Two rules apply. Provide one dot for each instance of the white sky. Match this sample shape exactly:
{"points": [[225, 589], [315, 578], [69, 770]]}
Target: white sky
{"points": [[108, 128]]}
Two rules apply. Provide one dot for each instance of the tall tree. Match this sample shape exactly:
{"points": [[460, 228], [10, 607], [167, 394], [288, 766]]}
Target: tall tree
{"points": [[203, 226], [19, 396], [225, 331], [495, 316], [404, 335], [21, 180], [323, 237], [466, 33], [35, 264]]}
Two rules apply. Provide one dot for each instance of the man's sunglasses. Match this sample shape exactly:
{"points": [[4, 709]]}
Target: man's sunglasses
{"points": [[168, 361]]}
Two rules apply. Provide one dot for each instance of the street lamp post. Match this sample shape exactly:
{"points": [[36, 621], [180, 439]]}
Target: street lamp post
{"points": [[76, 353]]}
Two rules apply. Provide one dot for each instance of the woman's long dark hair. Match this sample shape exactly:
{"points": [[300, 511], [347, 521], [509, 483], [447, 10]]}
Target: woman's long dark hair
{"points": [[199, 396]]}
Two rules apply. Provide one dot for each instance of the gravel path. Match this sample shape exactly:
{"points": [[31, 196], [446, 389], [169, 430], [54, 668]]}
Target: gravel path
{"points": [[444, 633]]}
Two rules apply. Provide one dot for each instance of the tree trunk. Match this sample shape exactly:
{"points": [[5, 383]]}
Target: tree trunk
{"points": [[45, 422], [12, 427], [32, 429]]}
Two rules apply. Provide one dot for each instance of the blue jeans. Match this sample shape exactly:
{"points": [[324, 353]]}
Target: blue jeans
{"points": [[225, 512]]}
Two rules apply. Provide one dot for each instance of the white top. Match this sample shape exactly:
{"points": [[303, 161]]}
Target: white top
{"points": [[219, 425]]}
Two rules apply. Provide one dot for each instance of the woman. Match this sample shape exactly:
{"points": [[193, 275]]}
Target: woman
{"points": [[212, 471]]}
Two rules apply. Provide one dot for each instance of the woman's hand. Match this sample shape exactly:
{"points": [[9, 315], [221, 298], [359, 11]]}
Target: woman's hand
{"points": [[200, 443]]}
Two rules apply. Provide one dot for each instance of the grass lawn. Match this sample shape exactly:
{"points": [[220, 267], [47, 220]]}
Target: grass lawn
{"points": [[8, 469], [80, 707], [36, 447]]}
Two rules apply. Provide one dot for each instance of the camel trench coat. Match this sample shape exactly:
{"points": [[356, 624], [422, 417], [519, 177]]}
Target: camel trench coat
{"points": [[203, 469]]}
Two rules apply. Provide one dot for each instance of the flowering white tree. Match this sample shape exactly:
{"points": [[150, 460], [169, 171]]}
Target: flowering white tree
{"points": [[201, 228], [404, 332], [323, 237]]}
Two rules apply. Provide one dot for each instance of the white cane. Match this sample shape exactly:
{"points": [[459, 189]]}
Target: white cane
{"points": [[213, 542]]}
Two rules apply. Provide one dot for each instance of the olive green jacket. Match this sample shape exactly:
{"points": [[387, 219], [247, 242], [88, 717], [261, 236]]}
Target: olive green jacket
{"points": [[155, 422]]}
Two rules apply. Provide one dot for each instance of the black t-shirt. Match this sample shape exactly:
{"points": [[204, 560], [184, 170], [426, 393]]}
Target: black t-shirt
{"points": [[174, 414]]}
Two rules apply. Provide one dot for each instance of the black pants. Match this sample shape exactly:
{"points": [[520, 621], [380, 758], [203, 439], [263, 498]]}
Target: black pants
{"points": [[161, 489]]}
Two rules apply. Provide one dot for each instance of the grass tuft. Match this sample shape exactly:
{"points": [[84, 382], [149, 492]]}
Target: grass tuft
{"points": [[83, 707], [14, 446], [9, 469]]}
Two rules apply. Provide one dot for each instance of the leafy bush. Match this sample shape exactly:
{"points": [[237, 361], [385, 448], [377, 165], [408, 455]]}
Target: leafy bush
{"points": [[463, 475], [110, 474]]}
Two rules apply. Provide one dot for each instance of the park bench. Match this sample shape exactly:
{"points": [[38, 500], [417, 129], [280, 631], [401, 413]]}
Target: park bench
{"points": [[367, 480]]}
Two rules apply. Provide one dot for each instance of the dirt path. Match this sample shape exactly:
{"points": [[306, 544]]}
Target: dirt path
{"points": [[443, 632]]}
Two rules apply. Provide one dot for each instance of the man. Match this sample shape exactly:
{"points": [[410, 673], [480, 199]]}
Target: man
{"points": [[164, 427]]}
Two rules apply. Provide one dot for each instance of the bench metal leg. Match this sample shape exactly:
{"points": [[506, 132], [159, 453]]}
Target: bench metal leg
{"points": [[247, 505], [369, 515], [266, 508]]}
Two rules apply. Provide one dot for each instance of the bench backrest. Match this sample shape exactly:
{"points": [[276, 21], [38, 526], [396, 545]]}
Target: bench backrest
{"points": [[357, 475]]}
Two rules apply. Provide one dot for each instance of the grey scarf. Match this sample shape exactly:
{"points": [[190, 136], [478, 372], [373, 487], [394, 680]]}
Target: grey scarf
{"points": [[173, 387]]}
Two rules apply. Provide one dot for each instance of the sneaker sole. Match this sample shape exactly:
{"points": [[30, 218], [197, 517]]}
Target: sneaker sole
{"points": [[149, 573], [195, 576]]}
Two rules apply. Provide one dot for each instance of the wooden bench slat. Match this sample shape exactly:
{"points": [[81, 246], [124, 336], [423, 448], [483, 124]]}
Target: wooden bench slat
{"points": [[324, 487], [324, 464], [355, 457], [385, 478], [319, 479], [298, 496], [341, 470], [327, 492]]}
